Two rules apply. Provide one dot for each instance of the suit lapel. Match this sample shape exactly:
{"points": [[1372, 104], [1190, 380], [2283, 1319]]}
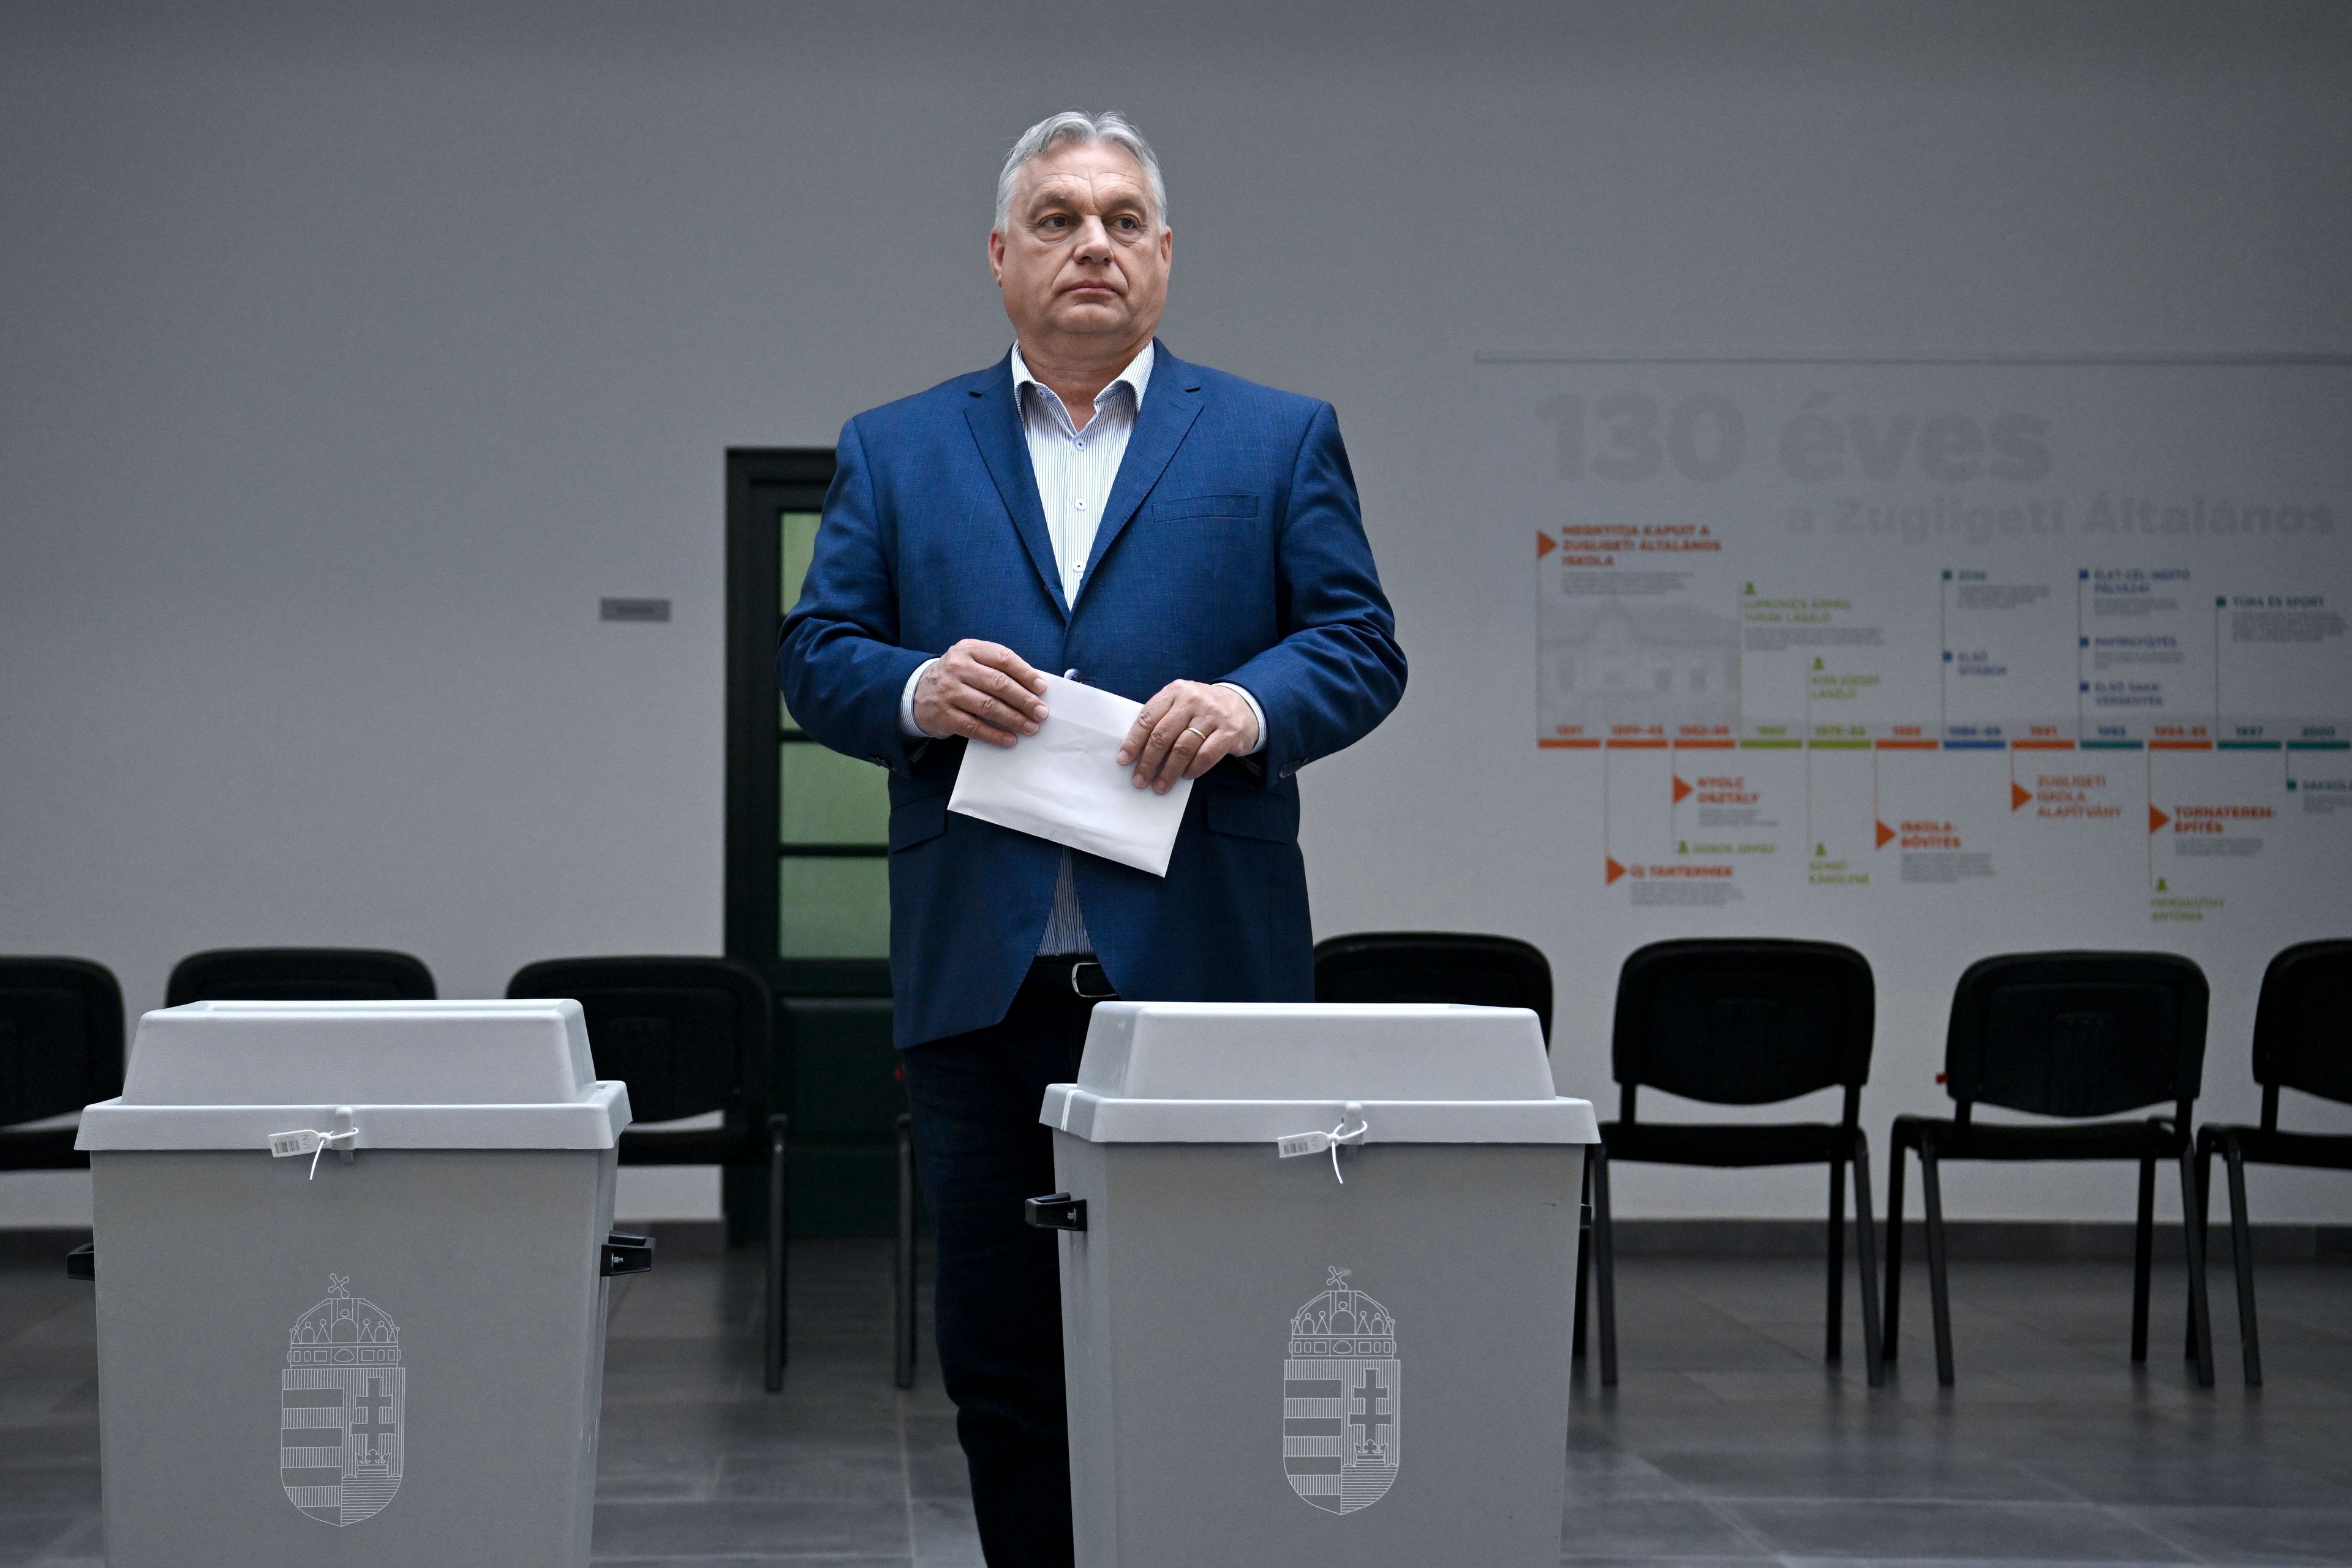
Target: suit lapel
{"points": [[995, 421], [1171, 402]]}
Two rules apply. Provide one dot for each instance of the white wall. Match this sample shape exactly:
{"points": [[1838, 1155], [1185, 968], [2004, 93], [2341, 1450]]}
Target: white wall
{"points": [[350, 353]]}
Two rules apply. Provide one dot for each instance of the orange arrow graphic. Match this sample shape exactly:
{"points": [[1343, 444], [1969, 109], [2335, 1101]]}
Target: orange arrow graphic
{"points": [[1681, 789], [2018, 795], [1545, 545], [1615, 871], [1885, 833], [2155, 820]]}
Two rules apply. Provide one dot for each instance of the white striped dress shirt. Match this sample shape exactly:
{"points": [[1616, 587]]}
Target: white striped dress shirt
{"points": [[1074, 470]]}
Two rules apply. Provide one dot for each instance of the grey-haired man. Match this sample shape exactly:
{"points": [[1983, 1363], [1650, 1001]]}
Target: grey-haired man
{"points": [[1093, 506]]}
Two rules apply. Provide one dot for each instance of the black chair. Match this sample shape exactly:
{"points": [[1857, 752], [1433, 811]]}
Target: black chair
{"points": [[903, 1304], [688, 1036], [1435, 966], [1461, 967], [299, 974], [2302, 1040], [1743, 1021], [2071, 1035], [847, 1081], [60, 1050]]}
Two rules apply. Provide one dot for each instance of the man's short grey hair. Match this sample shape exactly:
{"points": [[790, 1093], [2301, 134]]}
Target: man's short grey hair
{"points": [[1074, 127]]}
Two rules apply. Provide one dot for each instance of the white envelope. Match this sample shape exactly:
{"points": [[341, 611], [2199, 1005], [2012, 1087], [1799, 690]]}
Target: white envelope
{"points": [[1065, 783]]}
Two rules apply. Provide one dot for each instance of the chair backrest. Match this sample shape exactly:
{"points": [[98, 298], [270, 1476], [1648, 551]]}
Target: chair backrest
{"points": [[1743, 1020], [60, 1037], [1435, 966], [2077, 1034], [688, 1036], [2302, 1025], [299, 974]]}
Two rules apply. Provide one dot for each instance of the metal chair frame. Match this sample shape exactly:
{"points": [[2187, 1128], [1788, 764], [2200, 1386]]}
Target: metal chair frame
{"points": [[1435, 966], [753, 1136], [298, 975], [903, 1300], [1741, 1145], [1465, 967], [92, 1063], [1972, 1033], [2286, 1056]]}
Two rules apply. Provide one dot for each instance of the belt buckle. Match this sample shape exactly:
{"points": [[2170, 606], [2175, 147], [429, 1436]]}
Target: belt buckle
{"points": [[1078, 978]]}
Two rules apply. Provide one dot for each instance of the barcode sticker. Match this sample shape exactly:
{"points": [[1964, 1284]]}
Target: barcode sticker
{"points": [[1298, 1143], [290, 1145]]}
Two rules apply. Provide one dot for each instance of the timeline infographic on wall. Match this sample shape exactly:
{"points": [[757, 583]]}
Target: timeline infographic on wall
{"points": [[1846, 632]]}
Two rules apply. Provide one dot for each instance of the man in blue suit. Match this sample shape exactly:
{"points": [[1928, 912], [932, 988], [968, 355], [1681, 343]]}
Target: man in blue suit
{"points": [[1089, 505]]}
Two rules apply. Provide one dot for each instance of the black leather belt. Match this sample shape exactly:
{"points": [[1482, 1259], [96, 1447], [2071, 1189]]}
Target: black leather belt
{"points": [[1085, 977]]}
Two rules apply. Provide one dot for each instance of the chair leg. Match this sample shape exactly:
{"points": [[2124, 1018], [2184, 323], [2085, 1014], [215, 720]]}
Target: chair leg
{"points": [[2143, 1259], [2204, 1235], [2200, 1320], [1583, 1259], [1865, 1246], [1604, 1265], [2241, 1254], [1833, 1343], [773, 1320], [1891, 1321], [902, 1271], [1939, 1293]]}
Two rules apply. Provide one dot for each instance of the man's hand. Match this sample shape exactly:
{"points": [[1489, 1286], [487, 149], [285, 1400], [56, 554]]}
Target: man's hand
{"points": [[1184, 731], [981, 690]]}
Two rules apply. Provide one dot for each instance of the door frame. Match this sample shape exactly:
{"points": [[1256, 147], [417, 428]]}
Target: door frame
{"points": [[761, 481]]}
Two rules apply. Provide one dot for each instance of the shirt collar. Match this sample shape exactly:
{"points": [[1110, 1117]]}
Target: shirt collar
{"points": [[1138, 374]]}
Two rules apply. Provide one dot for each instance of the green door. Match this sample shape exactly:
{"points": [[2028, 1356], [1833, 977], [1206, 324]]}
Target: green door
{"points": [[808, 892]]}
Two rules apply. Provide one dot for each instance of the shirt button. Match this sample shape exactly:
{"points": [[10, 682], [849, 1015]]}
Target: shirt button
{"points": [[1082, 506], [1082, 445]]}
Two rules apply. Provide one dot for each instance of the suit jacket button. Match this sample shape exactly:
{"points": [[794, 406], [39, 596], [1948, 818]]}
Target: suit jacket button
{"points": [[1073, 675]]}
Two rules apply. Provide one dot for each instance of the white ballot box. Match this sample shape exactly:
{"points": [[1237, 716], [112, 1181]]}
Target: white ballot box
{"points": [[1316, 1284], [349, 1262]]}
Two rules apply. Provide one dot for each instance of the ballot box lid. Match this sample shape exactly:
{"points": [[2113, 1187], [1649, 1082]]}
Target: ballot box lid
{"points": [[487, 1074], [1209, 1072]]}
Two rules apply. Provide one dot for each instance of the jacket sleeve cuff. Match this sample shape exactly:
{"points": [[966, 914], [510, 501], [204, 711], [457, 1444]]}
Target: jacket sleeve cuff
{"points": [[914, 732], [1257, 712]]}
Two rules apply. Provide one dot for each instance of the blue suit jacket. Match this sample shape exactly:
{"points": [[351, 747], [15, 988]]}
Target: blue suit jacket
{"points": [[1230, 550]]}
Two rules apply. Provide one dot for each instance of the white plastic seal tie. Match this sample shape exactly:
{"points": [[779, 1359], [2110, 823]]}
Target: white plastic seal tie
{"points": [[1300, 1143], [308, 1140]]}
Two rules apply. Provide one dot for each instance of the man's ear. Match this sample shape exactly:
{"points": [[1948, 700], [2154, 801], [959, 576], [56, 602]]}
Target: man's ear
{"points": [[996, 256]]}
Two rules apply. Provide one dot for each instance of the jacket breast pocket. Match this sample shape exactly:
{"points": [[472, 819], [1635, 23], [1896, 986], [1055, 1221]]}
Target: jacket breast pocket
{"points": [[918, 820], [1251, 813], [1236, 508]]}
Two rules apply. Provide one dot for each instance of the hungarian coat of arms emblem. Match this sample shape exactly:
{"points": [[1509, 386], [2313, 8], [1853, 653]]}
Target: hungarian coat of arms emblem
{"points": [[343, 1408], [1339, 1399]]}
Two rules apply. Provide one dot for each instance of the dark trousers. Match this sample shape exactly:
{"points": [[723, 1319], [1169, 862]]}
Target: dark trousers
{"points": [[979, 1150]]}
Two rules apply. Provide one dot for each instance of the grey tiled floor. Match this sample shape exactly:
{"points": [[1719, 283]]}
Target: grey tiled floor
{"points": [[1728, 1441]]}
